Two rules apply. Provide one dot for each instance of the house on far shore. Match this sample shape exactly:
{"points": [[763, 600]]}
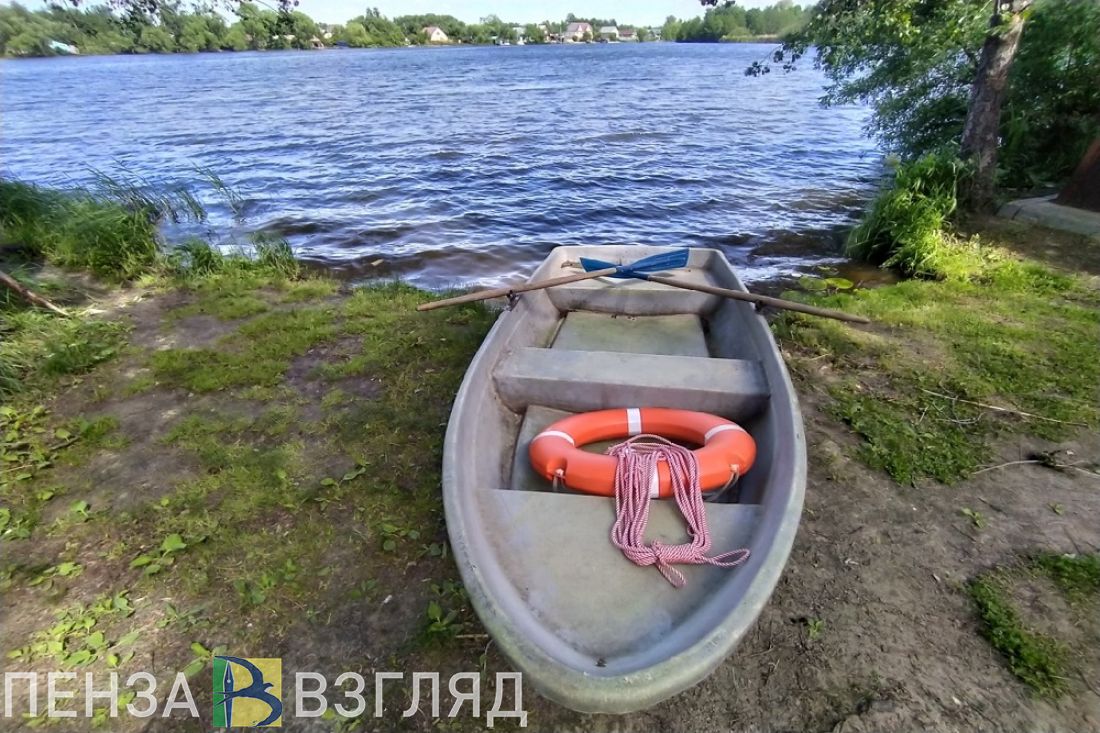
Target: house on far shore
{"points": [[609, 33], [627, 34], [655, 33], [435, 34], [575, 32]]}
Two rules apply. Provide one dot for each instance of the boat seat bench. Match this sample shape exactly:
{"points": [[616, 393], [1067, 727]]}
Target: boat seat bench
{"points": [[581, 381]]}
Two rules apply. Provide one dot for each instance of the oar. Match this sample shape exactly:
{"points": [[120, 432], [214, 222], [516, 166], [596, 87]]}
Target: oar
{"points": [[593, 265], [641, 268]]}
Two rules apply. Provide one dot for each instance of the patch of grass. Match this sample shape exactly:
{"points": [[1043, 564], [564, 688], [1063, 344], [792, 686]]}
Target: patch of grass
{"points": [[293, 523], [1042, 662], [29, 446], [297, 291], [257, 355], [895, 442], [111, 230], [1012, 334], [1038, 660], [225, 306], [1078, 576], [37, 346]]}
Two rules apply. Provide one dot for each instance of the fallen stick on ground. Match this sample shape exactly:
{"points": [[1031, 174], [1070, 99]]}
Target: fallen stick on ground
{"points": [[29, 295], [1002, 409]]}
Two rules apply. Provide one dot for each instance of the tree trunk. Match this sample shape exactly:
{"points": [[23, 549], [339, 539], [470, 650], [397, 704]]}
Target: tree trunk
{"points": [[983, 116]]}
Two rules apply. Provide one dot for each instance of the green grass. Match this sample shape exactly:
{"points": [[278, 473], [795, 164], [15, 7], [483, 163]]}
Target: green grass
{"points": [[37, 346], [903, 229], [1078, 576], [271, 511], [259, 354], [1042, 662], [111, 231], [1038, 660], [1011, 334], [366, 477]]}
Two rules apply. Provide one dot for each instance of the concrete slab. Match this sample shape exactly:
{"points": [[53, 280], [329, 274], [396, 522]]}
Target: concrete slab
{"points": [[1044, 212]]}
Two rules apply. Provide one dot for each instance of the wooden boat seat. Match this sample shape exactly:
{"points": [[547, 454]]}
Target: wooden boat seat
{"points": [[581, 381], [556, 552]]}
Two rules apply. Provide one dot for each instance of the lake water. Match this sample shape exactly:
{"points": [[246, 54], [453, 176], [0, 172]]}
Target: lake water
{"points": [[455, 165]]}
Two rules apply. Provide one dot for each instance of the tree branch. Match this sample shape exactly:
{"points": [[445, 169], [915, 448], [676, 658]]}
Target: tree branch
{"points": [[29, 295]]}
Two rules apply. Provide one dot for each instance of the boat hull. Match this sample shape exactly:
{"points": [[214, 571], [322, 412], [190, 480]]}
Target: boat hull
{"points": [[587, 628]]}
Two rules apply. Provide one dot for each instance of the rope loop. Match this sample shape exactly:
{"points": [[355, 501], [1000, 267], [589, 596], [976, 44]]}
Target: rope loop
{"points": [[635, 474]]}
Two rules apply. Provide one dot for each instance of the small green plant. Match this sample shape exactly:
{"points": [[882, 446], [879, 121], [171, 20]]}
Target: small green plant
{"points": [[184, 619], [61, 570], [255, 592], [154, 562], [80, 509], [440, 623], [202, 657], [74, 641], [1078, 576], [976, 518], [815, 627], [392, 534], [446, 611]]}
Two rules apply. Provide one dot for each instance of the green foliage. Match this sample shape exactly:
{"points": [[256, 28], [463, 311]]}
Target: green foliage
{"points": [[904, 227], [36, 346], [1042, 662], [166, 28], [999, 330], [111, 230], [76, 639], [1078, 576], [1050, 114], [733, 22], [1035, 658], [271, 341], [914, 62]]}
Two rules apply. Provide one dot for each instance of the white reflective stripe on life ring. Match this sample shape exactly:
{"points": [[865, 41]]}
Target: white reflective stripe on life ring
{"points": [[633, 421], [555, 434], [720, 428]]}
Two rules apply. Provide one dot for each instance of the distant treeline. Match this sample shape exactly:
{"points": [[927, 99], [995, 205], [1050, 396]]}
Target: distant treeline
{"points": [[733, 23], [170, 28]]}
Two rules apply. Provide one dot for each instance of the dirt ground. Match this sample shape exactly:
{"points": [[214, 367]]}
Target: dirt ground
{"points": [[870, 628]]}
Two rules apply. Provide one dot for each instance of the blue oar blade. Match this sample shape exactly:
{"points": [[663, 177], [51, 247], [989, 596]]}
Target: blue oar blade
{"points": [[653, 263]]}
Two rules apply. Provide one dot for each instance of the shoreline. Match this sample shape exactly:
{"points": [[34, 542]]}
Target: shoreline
{"points": [[747, 41], [204, 448]]}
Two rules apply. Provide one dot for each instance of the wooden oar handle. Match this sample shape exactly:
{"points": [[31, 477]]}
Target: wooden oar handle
{"points": [[524, 288], [789, 305]]}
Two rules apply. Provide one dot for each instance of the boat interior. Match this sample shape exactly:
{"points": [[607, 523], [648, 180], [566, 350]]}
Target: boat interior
{"points": [[602, 344], [633, 343]]}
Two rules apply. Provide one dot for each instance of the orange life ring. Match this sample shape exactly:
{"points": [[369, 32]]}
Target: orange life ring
{"points": [[726, 451]]}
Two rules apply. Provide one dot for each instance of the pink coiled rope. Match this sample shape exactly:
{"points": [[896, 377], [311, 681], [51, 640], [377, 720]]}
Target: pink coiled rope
{"points": [[638, 459]]}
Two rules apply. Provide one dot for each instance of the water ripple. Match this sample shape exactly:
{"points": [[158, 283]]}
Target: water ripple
{"points": [[457, 166]]}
